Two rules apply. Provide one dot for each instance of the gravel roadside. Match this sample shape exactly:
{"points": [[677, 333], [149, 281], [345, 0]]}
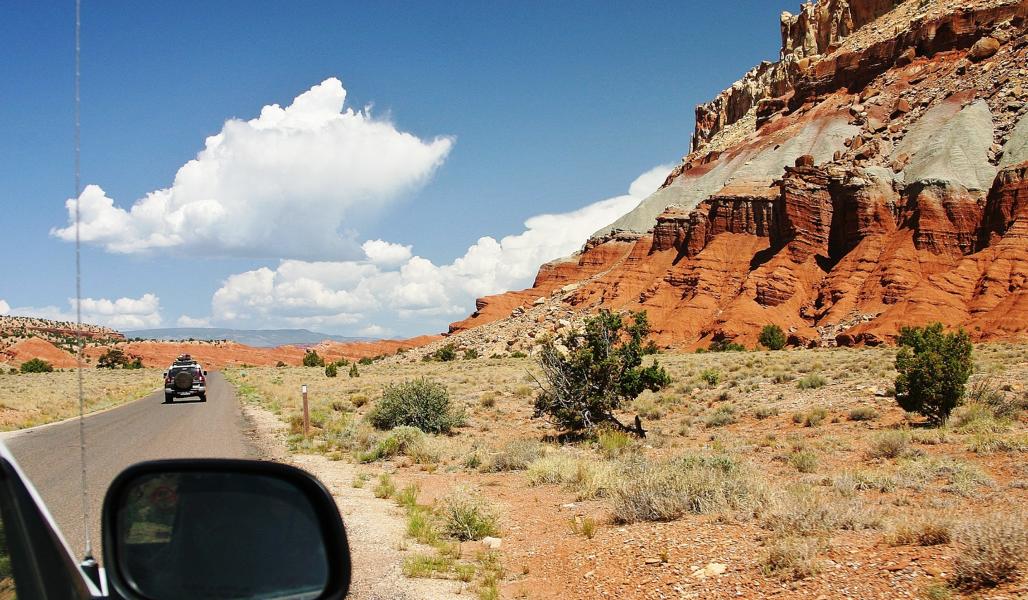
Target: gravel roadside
{"points": [[375, 527]]}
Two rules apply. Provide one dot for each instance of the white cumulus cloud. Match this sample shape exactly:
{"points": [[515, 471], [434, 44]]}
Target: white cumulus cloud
{"points": [[5, 308], [408, 292], [122, 313], [386, 253], [293, 182]]}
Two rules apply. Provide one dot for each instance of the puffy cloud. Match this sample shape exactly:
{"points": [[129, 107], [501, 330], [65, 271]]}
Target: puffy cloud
{"points": [[187, 321], [5, 308], [293, 182], [650, 181], [122, 313], [385, 253], [410, 292]]}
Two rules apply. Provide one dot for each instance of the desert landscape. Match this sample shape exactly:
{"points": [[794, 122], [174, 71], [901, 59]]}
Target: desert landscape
{"points": [[798, 369], [763, 474]]}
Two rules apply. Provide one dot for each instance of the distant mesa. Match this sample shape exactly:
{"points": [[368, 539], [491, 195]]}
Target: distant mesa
{"points": [[22, 339], [260, 338]]}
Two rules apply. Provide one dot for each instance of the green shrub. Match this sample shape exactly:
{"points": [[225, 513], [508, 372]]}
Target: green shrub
{"points": [[772, 337], [470, 354], [365, 361], [401, 441], [711, 376], [353, 371], [36, 365], [417, 403], [515, 455], [612, 442], [467, 516], [804, 461], [311, 359], [863, 413], [889, 444], [725, 345], [331, 370], [814, 417], [446, 353], [933, 370], [722, 415], [112, 359], [590, 376], [763, 412], [385, 488], [811, 381], [518, 354]]}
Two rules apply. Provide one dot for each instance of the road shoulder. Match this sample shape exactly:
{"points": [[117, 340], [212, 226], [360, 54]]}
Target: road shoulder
{"points": [[375, 527]]}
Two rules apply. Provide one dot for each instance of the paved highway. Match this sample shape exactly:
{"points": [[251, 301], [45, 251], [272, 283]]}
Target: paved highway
{"points": [[142, 430]]}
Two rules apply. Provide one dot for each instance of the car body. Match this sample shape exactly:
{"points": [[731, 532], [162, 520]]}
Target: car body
{"points": [[244, 554], [184, 378]]}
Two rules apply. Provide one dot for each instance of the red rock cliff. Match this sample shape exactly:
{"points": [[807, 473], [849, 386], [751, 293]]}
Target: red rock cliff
{"points": [[873, 177]]}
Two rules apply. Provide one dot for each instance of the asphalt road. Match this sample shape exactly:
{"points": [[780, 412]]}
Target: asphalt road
{"points": [[141, 430]]}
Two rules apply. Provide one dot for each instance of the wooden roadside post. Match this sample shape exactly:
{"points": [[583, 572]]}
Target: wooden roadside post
{"points": [[306, 413]]}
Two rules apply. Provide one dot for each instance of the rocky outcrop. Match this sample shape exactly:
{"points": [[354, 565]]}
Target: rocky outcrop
{"points": [[874, 177]]}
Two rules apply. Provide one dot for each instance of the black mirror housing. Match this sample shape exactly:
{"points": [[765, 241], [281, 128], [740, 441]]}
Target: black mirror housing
{"points": [[215, 528]]}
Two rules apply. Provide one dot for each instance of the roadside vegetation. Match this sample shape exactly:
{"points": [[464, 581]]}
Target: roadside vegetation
{"points": [[33, 398], [803, 457]]}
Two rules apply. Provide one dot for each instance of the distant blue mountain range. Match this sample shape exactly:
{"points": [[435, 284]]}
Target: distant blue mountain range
{"points": [[262, 338]]}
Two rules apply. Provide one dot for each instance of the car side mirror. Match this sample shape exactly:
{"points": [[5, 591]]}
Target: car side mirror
{"points": [[218, 528], [165, 374], [205, 373]]}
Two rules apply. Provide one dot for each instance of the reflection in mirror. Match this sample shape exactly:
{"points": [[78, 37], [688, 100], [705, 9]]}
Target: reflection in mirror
{"points": [[197, 534]]}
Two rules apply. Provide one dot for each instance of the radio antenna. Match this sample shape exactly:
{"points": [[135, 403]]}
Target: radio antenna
{"points": [[88, 562]]}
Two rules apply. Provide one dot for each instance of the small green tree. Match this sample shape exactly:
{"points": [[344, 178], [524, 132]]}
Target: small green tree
{"points": [[470, 354], [353, 370], [589, 375], [36, 365], [446, 353], [112, 359], [933, 369], [331, 370], [772, 337], [366, 360], [134, 362], [311, 359]]}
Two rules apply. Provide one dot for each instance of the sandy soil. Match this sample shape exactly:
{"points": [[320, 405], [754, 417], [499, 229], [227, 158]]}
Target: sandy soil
{"points": [[847, 505], [375, 527]]}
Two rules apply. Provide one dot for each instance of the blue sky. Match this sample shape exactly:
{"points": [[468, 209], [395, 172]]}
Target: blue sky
{"points": [[482, 116]]}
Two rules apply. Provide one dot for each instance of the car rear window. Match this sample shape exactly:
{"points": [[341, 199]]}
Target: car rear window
{"points": [[176, 370]]}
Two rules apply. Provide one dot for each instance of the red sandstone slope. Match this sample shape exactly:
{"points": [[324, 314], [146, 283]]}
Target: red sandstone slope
{"points": [[873, 177]]}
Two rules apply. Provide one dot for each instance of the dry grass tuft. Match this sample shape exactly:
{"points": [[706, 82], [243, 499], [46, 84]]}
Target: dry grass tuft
{"points": [[992, 550], [667, 490], [921, 532], [791, 558]]}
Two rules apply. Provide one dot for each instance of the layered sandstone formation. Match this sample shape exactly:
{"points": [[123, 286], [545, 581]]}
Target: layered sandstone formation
{"points": [[873, 177]]}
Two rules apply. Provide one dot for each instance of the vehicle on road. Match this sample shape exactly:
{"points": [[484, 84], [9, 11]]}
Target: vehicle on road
{"points": [[196, 528], [185, 377]]}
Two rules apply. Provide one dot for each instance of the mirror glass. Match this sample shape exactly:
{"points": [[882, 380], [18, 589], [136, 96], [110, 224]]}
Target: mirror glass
{"points": [[196, 534]]}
